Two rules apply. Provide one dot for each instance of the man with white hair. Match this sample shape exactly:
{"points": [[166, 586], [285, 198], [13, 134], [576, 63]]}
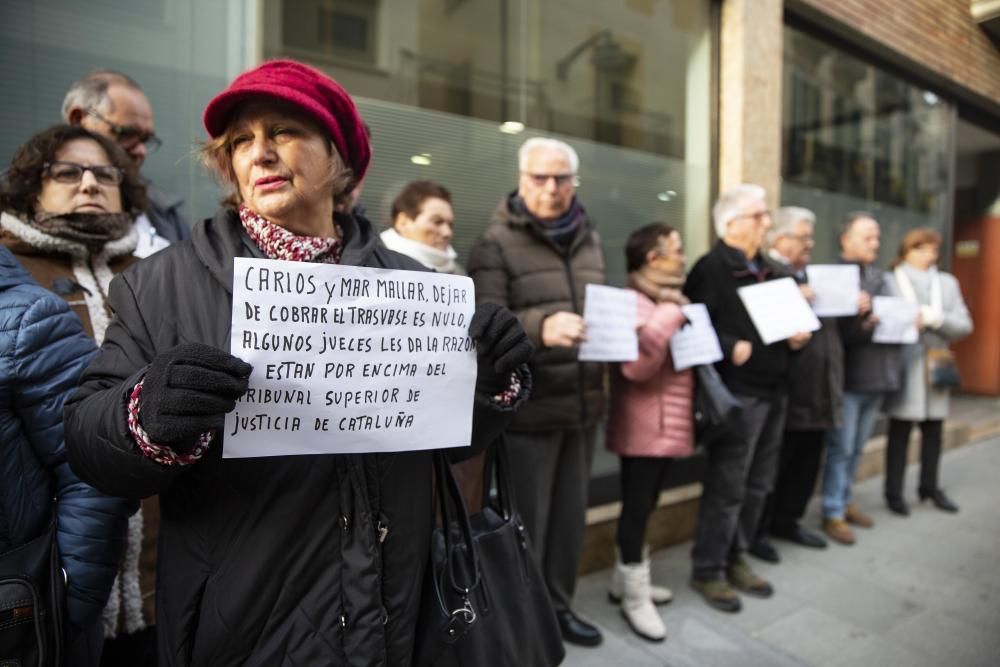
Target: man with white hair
{"points": [[742, 462], [110, 103], [815, 386], [536, 257]]}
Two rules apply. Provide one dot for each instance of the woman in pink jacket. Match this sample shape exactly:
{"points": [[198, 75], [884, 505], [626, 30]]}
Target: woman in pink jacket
{"points": [[651, 417]]}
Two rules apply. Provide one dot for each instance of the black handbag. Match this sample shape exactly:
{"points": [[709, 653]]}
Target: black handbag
{"points": [[516, 623], [942, 368], [451, 576], [715, 407], [32, 603]]}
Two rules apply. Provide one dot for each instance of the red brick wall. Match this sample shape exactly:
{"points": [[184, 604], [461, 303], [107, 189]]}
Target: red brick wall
{"points": [[939, 34]]}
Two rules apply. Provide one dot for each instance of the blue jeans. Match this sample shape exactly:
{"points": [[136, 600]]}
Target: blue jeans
{"points": [[843, 450]]}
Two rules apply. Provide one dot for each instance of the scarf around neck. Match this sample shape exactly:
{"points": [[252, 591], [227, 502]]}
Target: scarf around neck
{"points": [[278, 243], [442, 261], [92, 230], [561, 230]]}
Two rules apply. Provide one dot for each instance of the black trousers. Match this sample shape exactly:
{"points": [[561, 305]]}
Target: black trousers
{"points": [[895, 454], [741, 469], [641, 479], [550, 471], [798, 469]]}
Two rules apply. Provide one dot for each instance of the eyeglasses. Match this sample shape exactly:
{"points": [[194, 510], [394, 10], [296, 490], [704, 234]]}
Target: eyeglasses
{"points": [[560, 179], [129, 136], [71, 173], [806, 239]]}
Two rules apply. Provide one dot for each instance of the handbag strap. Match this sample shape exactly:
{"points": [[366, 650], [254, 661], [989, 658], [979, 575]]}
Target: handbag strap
{"points": [[496, 469], [453, 513]]}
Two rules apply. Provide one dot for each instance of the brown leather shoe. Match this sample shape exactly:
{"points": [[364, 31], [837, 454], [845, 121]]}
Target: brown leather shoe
{"points": [[838, 531], [855, 516]]}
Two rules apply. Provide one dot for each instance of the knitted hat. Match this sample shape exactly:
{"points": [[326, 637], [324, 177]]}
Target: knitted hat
{"points": [[310, 90]]}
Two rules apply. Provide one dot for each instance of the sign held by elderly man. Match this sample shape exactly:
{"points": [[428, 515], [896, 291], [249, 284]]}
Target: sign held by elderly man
{"points": [[778, 309], [350, 360]]}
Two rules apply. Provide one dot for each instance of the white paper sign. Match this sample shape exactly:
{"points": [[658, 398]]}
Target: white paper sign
{"points": [[837, 288], [695, 343], [897, 320], [349, 359], [611, 315], [778, 309]]}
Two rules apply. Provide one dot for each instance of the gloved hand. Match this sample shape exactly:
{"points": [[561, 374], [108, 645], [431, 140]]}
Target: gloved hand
{"points": [[501, 346], [187, 391]]}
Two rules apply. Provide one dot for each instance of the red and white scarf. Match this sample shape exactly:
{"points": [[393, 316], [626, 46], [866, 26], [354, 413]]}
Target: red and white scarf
{"points": [[278, 243]]}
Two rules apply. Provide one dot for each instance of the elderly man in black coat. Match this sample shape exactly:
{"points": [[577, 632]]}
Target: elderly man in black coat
{"points": [[742, 463]]}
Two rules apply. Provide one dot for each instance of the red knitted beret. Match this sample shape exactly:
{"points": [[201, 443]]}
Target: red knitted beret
{"points": [[311, 91]]}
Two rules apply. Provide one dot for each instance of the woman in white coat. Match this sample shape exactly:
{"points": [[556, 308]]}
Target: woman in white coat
{"points": [[923, 396]]}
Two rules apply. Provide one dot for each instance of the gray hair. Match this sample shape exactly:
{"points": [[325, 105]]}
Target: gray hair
{"points": [[732, 202], [784, 219], [543, 143], [91, 91]]}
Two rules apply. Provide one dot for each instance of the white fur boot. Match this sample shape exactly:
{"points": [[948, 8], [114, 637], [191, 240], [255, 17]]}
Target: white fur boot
{"points": [[659, 594], [637, 603]]}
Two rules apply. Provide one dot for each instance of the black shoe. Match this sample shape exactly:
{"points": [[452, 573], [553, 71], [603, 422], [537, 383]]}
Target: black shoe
{"points": [[941, 501], [764, 550], [897, 505], [577, 631], [799, 535]]}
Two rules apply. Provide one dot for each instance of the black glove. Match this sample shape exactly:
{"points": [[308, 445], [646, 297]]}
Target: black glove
{"points": [[501, 345], [187, 391]]}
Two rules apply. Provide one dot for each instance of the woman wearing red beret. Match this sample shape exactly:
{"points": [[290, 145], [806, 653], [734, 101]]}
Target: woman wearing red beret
{"points": [[297, 560]]}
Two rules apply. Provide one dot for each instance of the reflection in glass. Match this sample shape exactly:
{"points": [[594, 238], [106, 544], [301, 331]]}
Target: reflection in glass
{"points": [[857, 137]]}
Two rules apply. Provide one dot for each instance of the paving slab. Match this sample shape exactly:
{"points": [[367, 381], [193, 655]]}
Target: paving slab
{"points": [[914, 592]]}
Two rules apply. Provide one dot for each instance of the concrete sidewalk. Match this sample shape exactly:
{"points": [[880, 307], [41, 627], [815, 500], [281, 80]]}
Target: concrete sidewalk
{"points": [[913, 591]]}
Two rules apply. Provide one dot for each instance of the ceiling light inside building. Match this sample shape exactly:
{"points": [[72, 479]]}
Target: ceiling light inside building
{"points": [[666, 195], [930, 98], [423, 159], [512, 127]]}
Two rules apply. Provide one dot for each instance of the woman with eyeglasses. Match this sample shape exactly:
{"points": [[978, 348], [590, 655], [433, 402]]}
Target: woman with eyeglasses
{"points": [[68, 202]]}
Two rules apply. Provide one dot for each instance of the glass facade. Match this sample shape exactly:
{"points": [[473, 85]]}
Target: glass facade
{"points": [[856, 137], [181, 52], [450, 88]]}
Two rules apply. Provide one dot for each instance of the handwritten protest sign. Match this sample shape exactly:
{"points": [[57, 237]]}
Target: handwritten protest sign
{"points": [[696, 342], [897, 320], [837, 288], [778, 309], [610, 313], [349, 359]]}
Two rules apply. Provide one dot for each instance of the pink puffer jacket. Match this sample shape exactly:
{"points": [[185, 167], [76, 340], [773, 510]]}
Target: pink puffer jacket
{"points": [[650, 402]]}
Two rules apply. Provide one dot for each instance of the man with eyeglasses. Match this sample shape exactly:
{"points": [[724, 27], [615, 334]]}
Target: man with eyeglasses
{"points": [[536, 258], [815, 388], [112, 104], [743, 461]]}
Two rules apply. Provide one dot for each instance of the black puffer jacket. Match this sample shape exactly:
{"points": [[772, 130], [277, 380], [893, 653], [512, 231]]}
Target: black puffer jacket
{"points": [[714, 281], [516, 265], [265, 561]]}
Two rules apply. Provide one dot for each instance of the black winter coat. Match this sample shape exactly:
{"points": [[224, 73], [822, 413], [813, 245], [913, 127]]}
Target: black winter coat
{"points": [[713, 281], [264, 561], [870, 367]]}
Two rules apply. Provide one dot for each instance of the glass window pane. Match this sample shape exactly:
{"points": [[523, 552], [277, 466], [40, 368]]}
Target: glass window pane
{"points": [[859, 138]]}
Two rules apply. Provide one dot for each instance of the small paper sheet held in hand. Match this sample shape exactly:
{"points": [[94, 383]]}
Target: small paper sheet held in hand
{"points": [[837, 288], [897, 320], [778, 309], [611, 314], [350, 360], [696, 342]]}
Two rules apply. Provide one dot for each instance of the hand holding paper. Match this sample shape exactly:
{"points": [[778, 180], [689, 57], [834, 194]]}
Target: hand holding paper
{"points": [[778, 309], [897, 320], [696, 342], [836, 288], [611, 315]]}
